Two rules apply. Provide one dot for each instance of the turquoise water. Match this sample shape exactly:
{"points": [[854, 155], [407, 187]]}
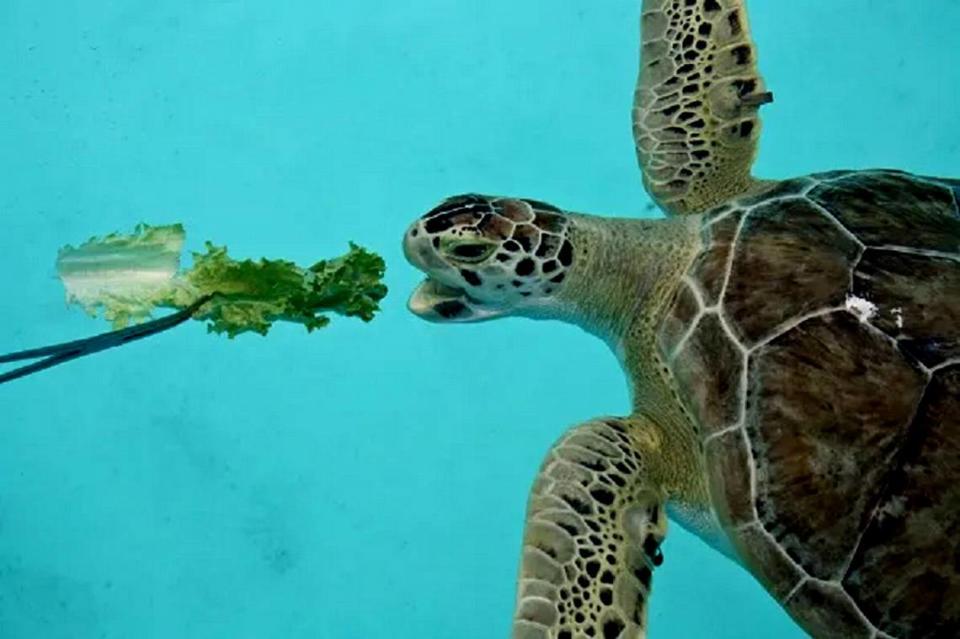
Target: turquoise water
{"points": [[366, 480]]}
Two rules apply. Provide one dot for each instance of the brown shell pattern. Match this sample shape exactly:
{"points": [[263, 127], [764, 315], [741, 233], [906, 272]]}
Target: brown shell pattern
{"points": [[817, 341]]}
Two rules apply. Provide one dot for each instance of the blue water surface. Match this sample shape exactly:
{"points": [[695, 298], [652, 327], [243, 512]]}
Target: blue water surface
{"points": [[365, 480]]}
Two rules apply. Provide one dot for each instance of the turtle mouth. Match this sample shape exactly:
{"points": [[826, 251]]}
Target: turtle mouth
{"points": [[439, 302]]}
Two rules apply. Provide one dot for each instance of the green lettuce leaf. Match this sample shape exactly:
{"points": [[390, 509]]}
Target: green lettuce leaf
{"points": [[125, 277]]}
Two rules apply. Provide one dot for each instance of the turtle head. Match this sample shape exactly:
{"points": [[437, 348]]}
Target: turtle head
{"points": [[487, 257]]}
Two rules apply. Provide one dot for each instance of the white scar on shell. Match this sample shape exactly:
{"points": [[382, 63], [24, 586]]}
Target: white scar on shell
{"points": [[864, 309], [898, 316]]}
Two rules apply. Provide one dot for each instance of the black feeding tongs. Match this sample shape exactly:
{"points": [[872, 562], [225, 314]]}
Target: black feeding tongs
{"points": [[66, 351]]}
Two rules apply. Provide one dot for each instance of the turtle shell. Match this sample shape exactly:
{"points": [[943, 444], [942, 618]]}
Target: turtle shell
{"points": [[816, 340]]}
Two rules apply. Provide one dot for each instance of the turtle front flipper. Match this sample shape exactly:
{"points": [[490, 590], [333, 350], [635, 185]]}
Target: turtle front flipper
{"points": [[695, 120], [592, 539]]}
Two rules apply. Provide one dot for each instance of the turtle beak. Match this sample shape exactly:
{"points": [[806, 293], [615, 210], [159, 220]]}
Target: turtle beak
{"points": [[437, 302]]}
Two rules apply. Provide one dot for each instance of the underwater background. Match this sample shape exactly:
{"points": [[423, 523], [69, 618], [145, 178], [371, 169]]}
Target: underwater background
{"points": [[363, 480]]}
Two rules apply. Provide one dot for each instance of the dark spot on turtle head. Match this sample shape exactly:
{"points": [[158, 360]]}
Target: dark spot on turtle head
{"points": [[549, 243], [566, 253], [450, 309], [512, 246], [436, 242], [525, 234], [525, 267], [556, 279], [439, 224], [470, 277], [549, 266], [503, 257], [516, 283]]}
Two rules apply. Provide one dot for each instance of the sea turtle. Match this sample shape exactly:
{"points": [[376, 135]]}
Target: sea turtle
{"points": [[793, 349]]}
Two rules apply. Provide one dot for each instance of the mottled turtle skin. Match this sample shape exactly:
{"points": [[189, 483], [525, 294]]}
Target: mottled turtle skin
{"points": [[816, 340], [792, 350]]}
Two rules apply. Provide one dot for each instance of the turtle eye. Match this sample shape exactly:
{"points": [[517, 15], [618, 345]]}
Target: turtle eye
{"points": [[467, 251]]}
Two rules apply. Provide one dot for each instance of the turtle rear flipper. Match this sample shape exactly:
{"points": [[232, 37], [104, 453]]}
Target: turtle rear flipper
{"points": [[695, 119]]}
